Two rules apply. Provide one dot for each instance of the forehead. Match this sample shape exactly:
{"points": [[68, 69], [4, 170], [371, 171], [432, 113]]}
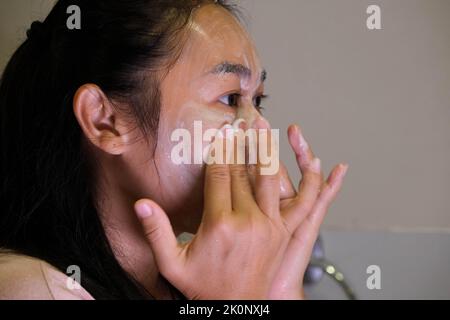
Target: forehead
{"points": [[215, 36]]}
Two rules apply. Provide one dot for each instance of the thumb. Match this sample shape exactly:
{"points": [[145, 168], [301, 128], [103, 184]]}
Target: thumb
{"points": [[160, 235]]}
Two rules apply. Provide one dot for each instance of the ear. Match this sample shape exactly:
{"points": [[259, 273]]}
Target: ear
{"points": [[99, 120]]}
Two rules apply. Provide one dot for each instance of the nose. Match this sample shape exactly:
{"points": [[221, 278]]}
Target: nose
{"points": [[249, 113]]}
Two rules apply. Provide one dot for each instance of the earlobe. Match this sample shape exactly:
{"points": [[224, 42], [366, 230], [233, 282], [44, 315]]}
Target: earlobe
{"points": [[98, 119]]}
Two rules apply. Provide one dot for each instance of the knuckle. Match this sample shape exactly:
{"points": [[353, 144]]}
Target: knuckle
{"points": [[327, 192], [222, 229], [239, 171], [153, 233], [269, 179], [313, 177], [218, 173]]}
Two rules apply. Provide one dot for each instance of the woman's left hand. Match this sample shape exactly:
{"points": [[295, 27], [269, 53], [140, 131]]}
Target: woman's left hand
{"points": [[288, 282]]}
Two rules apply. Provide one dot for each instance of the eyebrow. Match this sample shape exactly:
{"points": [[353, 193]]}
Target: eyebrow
{"points": [[236, 68]]}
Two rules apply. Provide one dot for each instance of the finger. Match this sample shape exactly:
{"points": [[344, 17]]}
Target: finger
{"points": [[303, 203], [241, 190], [303, 152], [310, 183], [287, 190], [217, 189], [267, 182], [301, 245], [159, 233], [329, 191]]}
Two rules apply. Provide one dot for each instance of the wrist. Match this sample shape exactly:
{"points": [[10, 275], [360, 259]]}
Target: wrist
{"points": [[289, 294]]}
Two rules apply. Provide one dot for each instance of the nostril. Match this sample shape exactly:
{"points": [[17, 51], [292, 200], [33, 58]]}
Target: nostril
{"points": [[261, 123], [248, 112]]}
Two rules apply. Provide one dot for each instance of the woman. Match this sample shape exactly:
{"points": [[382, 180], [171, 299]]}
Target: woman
{"points": [[87, 118]]}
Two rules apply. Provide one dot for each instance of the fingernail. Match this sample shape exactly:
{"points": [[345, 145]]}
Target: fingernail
{"points": [[143, 210], [344, 170], [315, 165], [206, 154], [302, 142]]}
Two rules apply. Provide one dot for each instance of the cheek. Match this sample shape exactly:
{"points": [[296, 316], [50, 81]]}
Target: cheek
{"points": [[194, 119], [177, 182], [209, 116]]}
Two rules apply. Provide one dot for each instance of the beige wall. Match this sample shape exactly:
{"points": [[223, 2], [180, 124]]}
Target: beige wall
{"points": [[377, 99], [15, 18]]}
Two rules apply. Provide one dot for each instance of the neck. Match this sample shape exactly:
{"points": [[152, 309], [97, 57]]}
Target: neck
{"points": [[127, 239]]}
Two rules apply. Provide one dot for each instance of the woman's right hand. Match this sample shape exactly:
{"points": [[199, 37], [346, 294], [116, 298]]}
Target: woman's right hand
{"points": [[240, 242]]}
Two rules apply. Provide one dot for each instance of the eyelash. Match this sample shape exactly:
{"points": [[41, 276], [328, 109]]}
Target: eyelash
{"points": [[238, 96]]}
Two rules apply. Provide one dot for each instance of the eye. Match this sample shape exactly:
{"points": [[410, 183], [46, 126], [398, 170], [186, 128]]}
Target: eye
{"points": [[257, 101], [231, 100]]}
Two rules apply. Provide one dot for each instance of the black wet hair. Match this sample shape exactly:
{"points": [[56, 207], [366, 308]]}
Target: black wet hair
{"points": [[48, 197]]}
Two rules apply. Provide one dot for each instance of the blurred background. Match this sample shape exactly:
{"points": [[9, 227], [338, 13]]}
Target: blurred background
{"points": [[377, 99]]}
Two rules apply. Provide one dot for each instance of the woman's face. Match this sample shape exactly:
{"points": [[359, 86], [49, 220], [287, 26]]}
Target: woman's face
{"points": [[217, 79]]}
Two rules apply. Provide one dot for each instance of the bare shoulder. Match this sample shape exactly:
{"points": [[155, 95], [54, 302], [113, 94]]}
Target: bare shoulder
{"points": [[27, 278]]}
